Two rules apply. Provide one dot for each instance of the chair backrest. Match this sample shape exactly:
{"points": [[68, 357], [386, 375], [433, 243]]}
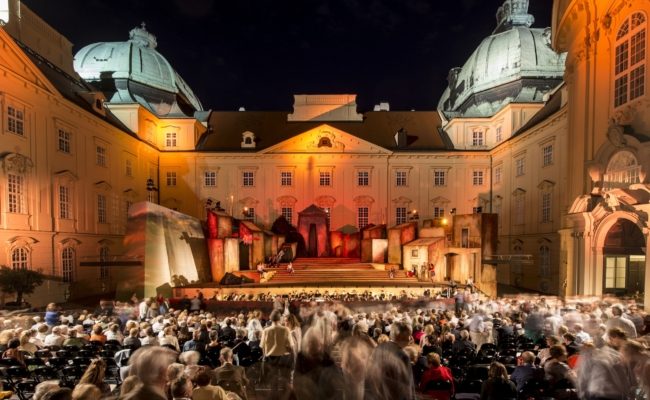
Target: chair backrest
{"points": [[438, 386], [231, 386]]}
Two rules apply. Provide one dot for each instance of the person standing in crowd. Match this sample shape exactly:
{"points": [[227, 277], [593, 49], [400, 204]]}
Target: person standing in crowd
{"points": [[624, 324], [279, 353], [52, 315], [230, 376]]}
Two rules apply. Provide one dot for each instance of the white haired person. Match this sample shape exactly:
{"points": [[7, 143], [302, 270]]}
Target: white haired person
{"points": [[150, 365]]}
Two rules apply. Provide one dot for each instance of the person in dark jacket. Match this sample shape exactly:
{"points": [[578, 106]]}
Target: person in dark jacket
{"points": [[498, 386], [463, 344], [526, 371], [229, 376]]}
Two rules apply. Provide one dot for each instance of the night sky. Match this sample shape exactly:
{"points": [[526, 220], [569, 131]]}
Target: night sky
{"points": [[258, 53]]}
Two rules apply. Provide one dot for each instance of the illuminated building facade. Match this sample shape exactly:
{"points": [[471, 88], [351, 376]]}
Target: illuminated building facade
{"points": [[84, 139]]}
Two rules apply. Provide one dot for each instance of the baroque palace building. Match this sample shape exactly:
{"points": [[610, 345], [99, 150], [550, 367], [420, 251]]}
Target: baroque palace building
{"points": [[559, 155]]}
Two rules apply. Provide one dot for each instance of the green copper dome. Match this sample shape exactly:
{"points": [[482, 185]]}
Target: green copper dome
{"points": [[133, 71]]}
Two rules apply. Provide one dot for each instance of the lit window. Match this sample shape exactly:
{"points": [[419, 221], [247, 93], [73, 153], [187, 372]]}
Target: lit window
{"points": [[67, 264], [477, 178], [103, 260], [325, 179], [547, 155], [101, 209], [439, 178], [362, 217], [544, 261], [400, 178], [520, 166], [499, 134], [287, 213], [248, 178], [622, 171], [101, 156], [497, 174], [615, 272], [438, 212], [15, 120], [210, 178], [363, 178], [546, 207], [171, 178], [64, 141], [128, 167], [249, 214], [400, 215], [19, 258], [286, 178], [629, 61], [477, 138], [170, 139], [16, 192], [64, 202]]}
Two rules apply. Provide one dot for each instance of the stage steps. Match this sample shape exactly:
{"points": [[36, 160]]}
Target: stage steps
{"points": [[359, 273]]}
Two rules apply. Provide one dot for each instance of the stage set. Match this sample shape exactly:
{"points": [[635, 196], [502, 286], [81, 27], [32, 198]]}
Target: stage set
{"points": [[181, 254]]}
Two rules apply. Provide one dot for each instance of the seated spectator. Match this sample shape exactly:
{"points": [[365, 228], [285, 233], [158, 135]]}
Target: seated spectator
{"points": [[113, 333], [556, 369], [133, 340], [43, 388], [230, 376], [464, 344], [25, 341], [498, 386], [13, 352], [149, 338], [581, 337], [73, 340], [181, 389], [128, 384], [150, 364], [86, 391], [436, 373], [204, 390], [545, 353], [55, 338], [526, 371], [98, 334], [195, 343]]}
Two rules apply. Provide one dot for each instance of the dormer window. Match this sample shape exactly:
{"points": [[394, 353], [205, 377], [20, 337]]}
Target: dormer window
{"points": [[324, 142], [248, 140]]}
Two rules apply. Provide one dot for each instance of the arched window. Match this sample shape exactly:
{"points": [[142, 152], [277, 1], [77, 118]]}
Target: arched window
{"points": [[103, 259], [67, 264], [324, 142], [622, 171], [544, 261], [19, 258], [630, 60]]}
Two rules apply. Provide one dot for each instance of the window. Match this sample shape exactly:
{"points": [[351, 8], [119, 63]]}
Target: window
{"points": [[101, 156], [546, 207], [622, 170], [362, 217], [629, 61], [325, 178], [497, 174], [128, 167], [64, 202], [19, 258], [248, 179], [103, 259], [171, 178], [414, 253], [400, 215], [615, 272], [544, 261], [67, 263], [16, 191], [439, 178], [477, 178], [400, 178], [64, 141], [520, 165], [363, 178], [101, 209], [547, 155], [15, 120], [519, 209], [286, 178], [499, 134], [287, 213], [477, 138], [170, 139], [210, 178], [438, 212], [249, 214]]}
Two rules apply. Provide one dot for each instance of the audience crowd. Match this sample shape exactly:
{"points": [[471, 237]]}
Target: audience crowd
{"points": [[492, 349]]}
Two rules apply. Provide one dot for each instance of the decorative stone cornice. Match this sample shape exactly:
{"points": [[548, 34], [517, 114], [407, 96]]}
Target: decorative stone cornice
{"points": [[16, 163]]}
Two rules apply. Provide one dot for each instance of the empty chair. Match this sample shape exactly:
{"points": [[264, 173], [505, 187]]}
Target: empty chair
{"points": [[43, 353]]}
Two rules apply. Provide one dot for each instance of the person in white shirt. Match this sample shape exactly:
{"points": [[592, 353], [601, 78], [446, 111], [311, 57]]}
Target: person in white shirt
{"points": [[582, 337], [142, 309], [55, 338], [113, 333]]}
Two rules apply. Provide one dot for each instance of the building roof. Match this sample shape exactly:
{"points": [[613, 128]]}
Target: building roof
{"points": [[225, 130], [424, 241], [514, 64]]}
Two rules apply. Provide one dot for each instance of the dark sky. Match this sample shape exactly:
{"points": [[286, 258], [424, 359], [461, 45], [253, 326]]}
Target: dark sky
{"points": [[258, 53]]}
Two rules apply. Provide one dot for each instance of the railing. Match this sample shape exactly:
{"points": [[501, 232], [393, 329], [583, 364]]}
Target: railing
{"points": [[622, 178]]}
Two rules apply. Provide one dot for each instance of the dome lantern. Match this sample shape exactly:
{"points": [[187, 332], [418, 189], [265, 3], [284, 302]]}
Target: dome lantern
{"points": [[142, 37], [513, 13]]}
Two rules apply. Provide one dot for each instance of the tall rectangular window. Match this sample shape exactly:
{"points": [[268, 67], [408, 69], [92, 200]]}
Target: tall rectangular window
{"points": [[362, 217], [477, 138], [546, 207], [170, 139], [400, 215], [128, 167], [16, 192], [363, 178], [286, 178], [210, 178], [499, 134], [325, 178], [103, 259], [102, 210], [630, 59], [64, 141], [287, 213], [438, 212], [248, 178], [519, 209], [67, 264], [400, 178], [15, 120], [19, 258], [497, 174], [64, 202], [439, 178], [171, 178], [477, 178], [520, 166], [100, 156], [547, 155], [615, 268]]}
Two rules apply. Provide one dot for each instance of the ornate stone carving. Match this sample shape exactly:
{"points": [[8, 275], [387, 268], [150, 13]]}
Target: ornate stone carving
{"points": [[615, 134], [16, 163]]}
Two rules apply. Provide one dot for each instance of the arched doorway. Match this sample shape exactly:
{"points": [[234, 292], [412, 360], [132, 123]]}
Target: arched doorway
{"points": [[624, 259]]}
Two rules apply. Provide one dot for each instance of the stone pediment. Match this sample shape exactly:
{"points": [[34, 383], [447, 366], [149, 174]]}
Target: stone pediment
{"points": [[13, 59], [326, 139]]}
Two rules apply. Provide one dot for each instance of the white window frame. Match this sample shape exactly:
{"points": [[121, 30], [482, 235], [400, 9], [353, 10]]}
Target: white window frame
{"points": [[286, 178], [68, 264], [520, 166], [477, 177], [498, 173], [248, 178], [102, 209], [400, 215], [498, 134], [438, 212], [325, 178], [287, 213], [64, 141], [630, 53], [65, 202], [401, 178], [170, 178], [478, 138], [16, 119], [171, 139], [16, 188], [440, 177], [20, 258], [363, 178], [210, 178], [547, 155], [363, 214], [101, 155], [546, 206]]}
